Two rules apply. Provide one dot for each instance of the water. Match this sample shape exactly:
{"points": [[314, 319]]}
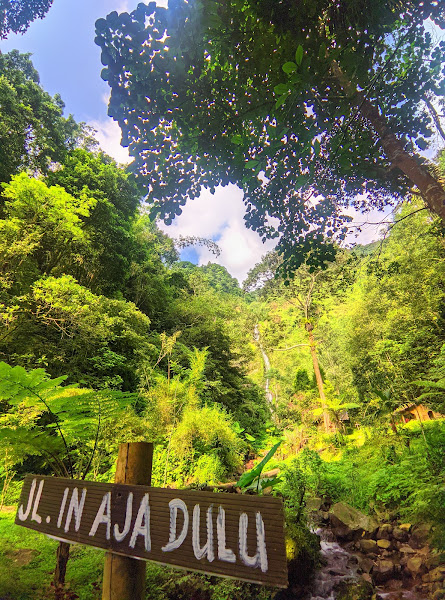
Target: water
{"points": [[339, 565]]}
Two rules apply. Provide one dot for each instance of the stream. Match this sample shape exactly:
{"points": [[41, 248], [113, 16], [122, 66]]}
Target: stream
{"points": [[341, 565]]}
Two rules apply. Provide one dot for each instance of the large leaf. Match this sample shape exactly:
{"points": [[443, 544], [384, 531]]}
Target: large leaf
{"points": [[247, 478]]}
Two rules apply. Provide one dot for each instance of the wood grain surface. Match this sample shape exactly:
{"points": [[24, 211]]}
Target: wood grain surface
{"points": [[229, 535]]}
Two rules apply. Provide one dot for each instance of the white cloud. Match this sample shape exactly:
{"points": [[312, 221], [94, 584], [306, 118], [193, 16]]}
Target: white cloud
{"points": [[367, 227], [109, 137], [220, 217], [122, 6]]}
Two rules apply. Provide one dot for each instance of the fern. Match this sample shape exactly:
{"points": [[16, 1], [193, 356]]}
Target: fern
{"points": [[44, 417]]}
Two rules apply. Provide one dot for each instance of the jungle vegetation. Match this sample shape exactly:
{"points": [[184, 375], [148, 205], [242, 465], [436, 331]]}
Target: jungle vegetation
{"points": [[106, 335]]}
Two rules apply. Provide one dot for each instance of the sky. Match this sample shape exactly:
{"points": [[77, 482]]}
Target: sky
{"points": [[68, 61]]}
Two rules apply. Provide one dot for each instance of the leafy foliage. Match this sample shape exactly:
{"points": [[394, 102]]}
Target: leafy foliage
{"points": [[17, 16], [267, 96], [63, 424], [33, 132]]}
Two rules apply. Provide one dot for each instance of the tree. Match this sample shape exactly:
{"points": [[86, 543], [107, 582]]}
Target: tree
{"points": [[62, 424], [306, 291], [387, 330], [310, 107], [109, 226], [46, 316], [33, 132], [17, 15]]}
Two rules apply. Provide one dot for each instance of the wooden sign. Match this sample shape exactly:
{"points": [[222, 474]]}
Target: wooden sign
{"points": [[229, 535]]}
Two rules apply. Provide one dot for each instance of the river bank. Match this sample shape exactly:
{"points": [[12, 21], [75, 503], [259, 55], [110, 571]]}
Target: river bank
{"points": [[363, 559]]}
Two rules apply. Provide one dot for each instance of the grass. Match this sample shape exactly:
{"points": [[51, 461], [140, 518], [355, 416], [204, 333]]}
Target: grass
{"points": [[27, 561]]}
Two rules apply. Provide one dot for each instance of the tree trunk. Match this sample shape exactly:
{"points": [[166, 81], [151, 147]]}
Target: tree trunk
{"points": [[63, 554], [326, 419], [430, 189]]}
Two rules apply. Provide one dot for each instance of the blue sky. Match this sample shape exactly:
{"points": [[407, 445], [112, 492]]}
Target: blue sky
{"points": [[65, 55]]}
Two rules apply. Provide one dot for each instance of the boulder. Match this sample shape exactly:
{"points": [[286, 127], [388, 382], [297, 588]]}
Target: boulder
{"points": [[350, 522], [437, 574], [382, 571], [415, 565], [366, 564], [384, 544], [384, 531], [367, 546], [420, 534], [400, 535], [434, 560], [313, 504]]}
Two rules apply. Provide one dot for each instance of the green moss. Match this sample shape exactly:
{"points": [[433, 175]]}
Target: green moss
{"points": [[354, 591]]}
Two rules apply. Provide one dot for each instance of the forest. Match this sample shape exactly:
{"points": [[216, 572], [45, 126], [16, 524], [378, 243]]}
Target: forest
{"points": [[321, 378]]}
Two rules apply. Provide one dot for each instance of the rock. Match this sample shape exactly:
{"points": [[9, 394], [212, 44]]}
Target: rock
{"points": [[313, 504], [368, 546], [400, 535], [437, 586], [350, 521], [342, 533], [437, 574], [382, 571], [393, 585], [405, 527], [366, 564], [406, 550], [420, 533], [384, 531], [384, 544], [353, 590], [434, 560], [415, 565]]}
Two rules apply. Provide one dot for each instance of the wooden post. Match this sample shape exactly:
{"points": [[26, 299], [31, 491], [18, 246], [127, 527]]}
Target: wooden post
{"points": [[124, 577]]}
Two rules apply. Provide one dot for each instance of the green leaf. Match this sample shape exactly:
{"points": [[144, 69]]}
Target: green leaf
{"points": [[237, 139], [251, 164], [289, 67], [281, 88], [299, 54], [247, 478], [281, 100], [270, 482], [249, 437]]}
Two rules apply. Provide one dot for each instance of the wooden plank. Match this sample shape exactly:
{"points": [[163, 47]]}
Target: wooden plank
{"points": [[124, 576], [229, 535]]}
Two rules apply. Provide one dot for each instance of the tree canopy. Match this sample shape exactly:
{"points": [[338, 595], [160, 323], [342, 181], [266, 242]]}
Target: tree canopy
{"points": [[33, 130], [17, 15], [310, 107]]}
